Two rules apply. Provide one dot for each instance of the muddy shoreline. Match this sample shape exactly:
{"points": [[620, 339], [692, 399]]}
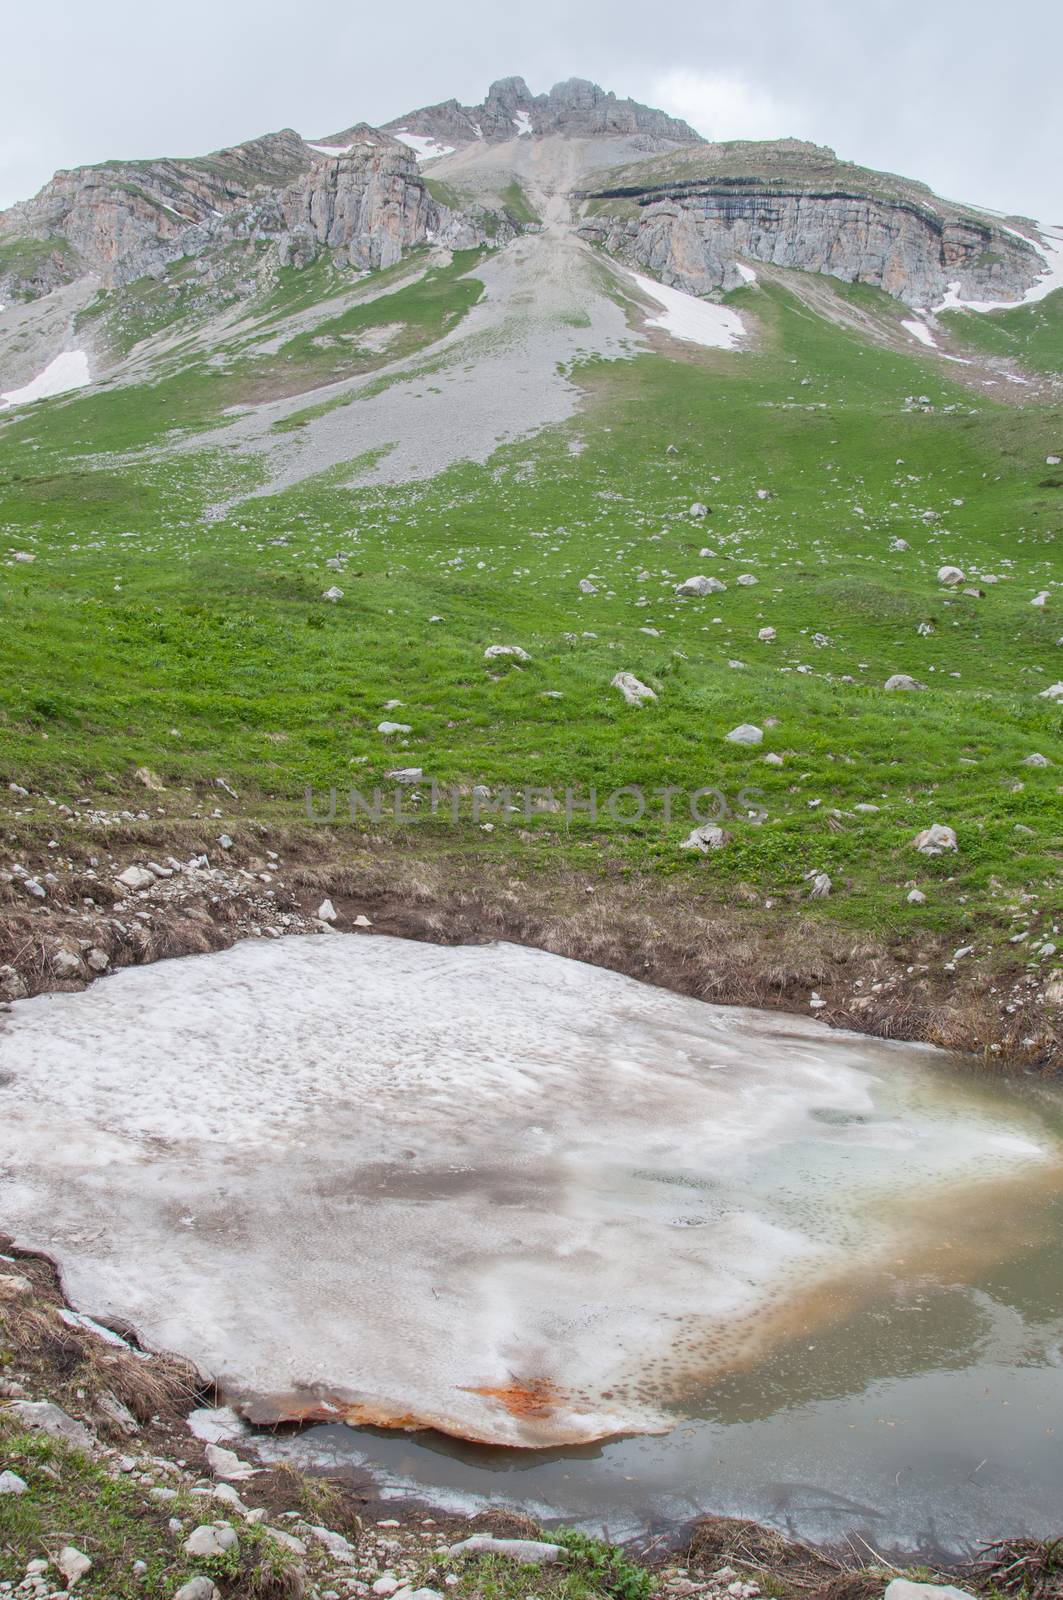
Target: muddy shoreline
{"points": [[137, 1404]]}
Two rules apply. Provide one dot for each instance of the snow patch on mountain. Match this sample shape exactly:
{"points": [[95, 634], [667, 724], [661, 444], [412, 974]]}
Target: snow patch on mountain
{"points": [[424, 149], [686, 317], [67, 371]]}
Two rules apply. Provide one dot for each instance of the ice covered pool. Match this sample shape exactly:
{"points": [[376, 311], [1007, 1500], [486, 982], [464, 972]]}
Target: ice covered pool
{"points": [[660, 1256]]}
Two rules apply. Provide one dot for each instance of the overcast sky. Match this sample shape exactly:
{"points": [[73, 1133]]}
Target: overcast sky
{"points": [[964, 94]]}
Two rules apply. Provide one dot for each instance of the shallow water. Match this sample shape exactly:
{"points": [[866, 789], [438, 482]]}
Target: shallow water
{"points": [[806, 1276]]}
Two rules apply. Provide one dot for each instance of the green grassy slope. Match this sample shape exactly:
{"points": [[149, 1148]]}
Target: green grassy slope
{"points": [[142, 636], [1031, 334]]}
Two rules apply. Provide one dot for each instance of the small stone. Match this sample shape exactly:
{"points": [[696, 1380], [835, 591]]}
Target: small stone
{"points": [[12, 984], [73, 1564], [821, 886], [587, 587], [197, 1589], [766, 635], [901, 680], [699, 585], [11, 1483], [41, 1416], [935, 840], [633, 690], [746, 579], [211, 1539], [905, 1589], [706, 838], [225, 841], [326, 911], [98, 959], [388, 728], [333, 594], [67, 963], [916, 897], [287, 1541], [528, 1551], [495, 651], [745, 733], [1036, 760], [149, 779], [227, 1464], [337, 1546], [136, 878]]}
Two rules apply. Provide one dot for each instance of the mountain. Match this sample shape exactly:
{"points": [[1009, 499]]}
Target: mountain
{"points": [[692, 215], [575, 109], [530, 462], [687, 210]]}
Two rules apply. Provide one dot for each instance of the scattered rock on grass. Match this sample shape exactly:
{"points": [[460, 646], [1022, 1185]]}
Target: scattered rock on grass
{"points": [[935, 840], [633, 690], [699, 585], [745, 733], [529, 1551], [41, 1416], [901, 680], [706, 838], [211, 1539], [494, 651], [197, 1589], [73, 1564]]}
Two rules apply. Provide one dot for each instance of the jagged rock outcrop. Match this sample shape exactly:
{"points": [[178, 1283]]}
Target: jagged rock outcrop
{"points": [[121, 222], [125, 219], [691, 234], [574, 109], [368, 205]]}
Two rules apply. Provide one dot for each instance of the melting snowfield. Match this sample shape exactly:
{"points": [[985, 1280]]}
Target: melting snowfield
{"points": [[67, 371], [697, 321], [484, 1189]]}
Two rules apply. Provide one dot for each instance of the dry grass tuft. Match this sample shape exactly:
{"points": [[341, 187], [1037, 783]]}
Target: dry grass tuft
{"points": [[505, 1523], [321, 1501], [1032, 1568]]}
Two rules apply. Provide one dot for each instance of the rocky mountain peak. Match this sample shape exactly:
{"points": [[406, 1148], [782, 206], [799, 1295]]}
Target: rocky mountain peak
{"points": [[574, 109]]}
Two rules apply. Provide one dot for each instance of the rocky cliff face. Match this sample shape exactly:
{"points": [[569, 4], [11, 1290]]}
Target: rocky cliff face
{"points": [[692, 235], [123, 221], [368, 205], [574, 109]]}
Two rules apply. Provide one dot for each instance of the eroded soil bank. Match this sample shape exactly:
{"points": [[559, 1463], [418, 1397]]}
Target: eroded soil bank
{"points": [[714, 940]]}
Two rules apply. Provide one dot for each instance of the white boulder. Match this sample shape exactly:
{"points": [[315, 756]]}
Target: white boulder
{"points": [[633, 690], [211, 1539], [706, 838], [136, 878], [745, 733], [935, 840], [699, 585], [901, 680], [495, 651]]}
